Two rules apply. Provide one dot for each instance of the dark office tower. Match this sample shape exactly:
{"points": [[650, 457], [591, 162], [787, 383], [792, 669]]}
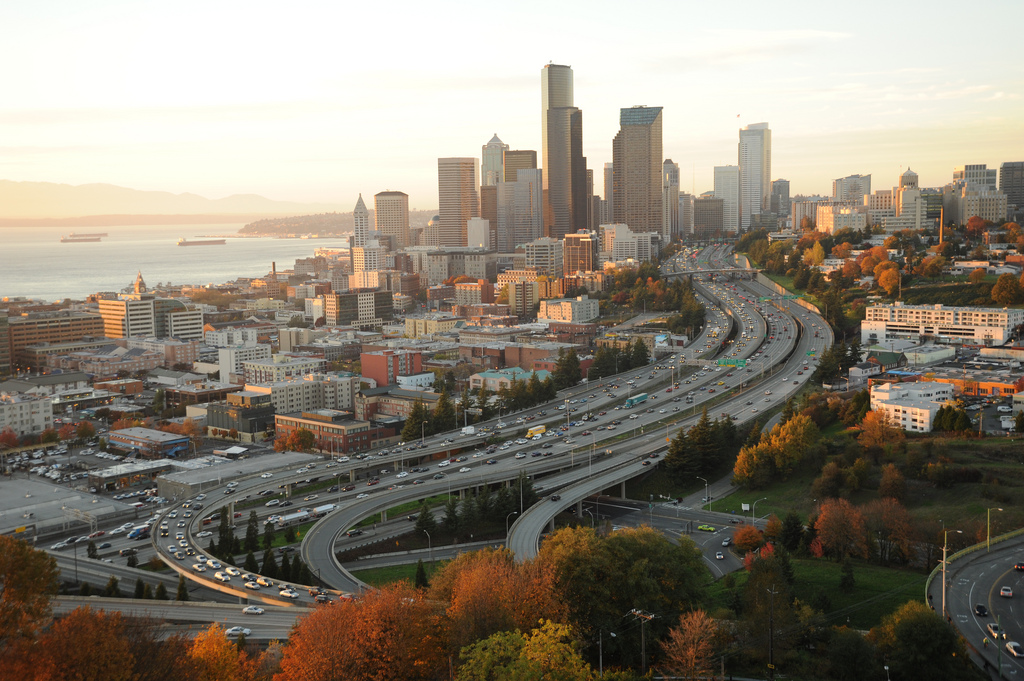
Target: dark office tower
{"points": [[707, 218], [780, 198], [1011, 183], [458, 201], [636, 154], [489, 209], [580, 252], [519, 159], [609, 191], [565, 194]]}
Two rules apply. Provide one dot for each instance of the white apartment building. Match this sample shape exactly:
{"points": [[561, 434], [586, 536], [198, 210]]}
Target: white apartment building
{"points": [[727, 188], [231, 337], [619, 242], [314, 308], [233, 359], [265, 304], [581, 309], [911, 406], [281, 367], [545, 256], [971, 325], [25, 414], [833, 216], [310, 392]]}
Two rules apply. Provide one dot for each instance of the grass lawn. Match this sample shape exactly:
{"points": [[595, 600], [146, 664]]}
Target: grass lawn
{"points": [[396, 573], [878, 591]]}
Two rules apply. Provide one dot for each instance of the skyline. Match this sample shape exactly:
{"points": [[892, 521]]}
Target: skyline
{"points": [[309, 107]]}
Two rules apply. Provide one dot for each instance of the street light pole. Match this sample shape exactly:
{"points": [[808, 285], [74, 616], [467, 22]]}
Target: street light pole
{"points": [[753, 516], [506, 521], [988, 532], [945, 545], [430, 547], [707, 500], [422, 426]]}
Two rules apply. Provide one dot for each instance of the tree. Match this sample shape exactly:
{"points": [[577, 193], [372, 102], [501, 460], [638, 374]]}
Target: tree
{"points": [[892, 527], [140, 588], [444, 413], [918, 645], [792, 531], [414, 424], [1007, 290], [639, 355], [161, 592], [547, 652], [86, 644], [421, 576], [847, 652], [91, 551], [216, 657], [890, 281], [8, 438], [840, 529], [85, 430], [133, 561], [28, 579], [747, 538], [567, 369], [877, 430], [893, 485], [251, 564], [978, 275], [112, 589], [252, 533], [268, 536], [690, 648], [269, 568]]}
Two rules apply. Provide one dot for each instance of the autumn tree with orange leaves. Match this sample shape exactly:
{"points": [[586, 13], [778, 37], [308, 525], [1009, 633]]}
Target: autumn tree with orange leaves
{"points": [[691, 646], [747, 538], [878, 430], [840, 528]]}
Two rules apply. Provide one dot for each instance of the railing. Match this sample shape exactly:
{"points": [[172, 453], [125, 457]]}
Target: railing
{"points": [[969, 550]]}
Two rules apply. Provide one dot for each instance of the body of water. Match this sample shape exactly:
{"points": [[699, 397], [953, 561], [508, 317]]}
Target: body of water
{"points": [[35, 264]]}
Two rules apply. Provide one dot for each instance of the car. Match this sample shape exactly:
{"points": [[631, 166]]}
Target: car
{"points": [[556, 497], [213, 564], [981, 610], [705, 528], [719, 555], [995, 631], [520, 455], [1019, 567], [444, 463], [222, 576], [322, 598], [198, 567], [312, 497], [1014, 649], [104, 545], [267, 475], [263, 581], [403, 474], [364, 495], [1006, 592], [235, 632], [273, 502], [491, 462], [233, 571], [285, 503], [465, 469], [438, 476], [288, 593], [253, 610], [204, 534], [252, 585], [354, 532]]}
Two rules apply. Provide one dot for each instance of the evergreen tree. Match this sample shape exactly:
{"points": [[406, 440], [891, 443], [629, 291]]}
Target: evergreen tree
{"points": [[702, 438], [847, 583], [251, 564], [682, 462], [289, 534], [140, 588], [304, 575], [426, 521], [147, 592], [567, 369], [534, 388], [963, 422], [483, 398], [754, 434], [414, 427], [211, 548], [284, 570], [133, 561], [84, 589], [182, 594], [548, 389], [161, 592], [444, 414], [113, 588], [788, 411], [269, 568], [268, 536], [450, 523], [225, 535], [421, 575], [465, 402], [792, 531], [639, 355], [91, 551], [252, 532]]}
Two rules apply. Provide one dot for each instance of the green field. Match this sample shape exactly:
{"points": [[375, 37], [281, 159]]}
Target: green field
{"points": [[396, 573]]}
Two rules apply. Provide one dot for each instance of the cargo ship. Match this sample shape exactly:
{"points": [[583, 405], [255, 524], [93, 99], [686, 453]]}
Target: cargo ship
{"points": [[201, 242], [81, 238]]}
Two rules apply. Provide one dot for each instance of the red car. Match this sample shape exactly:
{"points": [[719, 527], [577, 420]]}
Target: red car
{"points": [[375, 481]]}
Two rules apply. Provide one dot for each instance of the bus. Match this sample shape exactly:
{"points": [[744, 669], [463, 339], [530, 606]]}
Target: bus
{"points": [[536, 431], [635, 400]]}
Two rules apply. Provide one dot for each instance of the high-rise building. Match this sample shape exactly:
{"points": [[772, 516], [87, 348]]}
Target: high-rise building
{"points": [[780, 198], [977, 174], [458, 201], [755, 161], [637, 157], [727, 188], [851, 189], [685, 214], [519, 159], [707, 217], [565, 168], [520, 210], [492, 169], [1011, 183], [609, 188], [133, 315], [489, 209], [361, 222], [545, 256], [391, 215], [478, 233], [669, 201], [580, 252]]}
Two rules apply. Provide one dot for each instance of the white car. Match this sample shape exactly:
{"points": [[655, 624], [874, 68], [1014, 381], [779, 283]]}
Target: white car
{"points": [[520, 455], [273, 502], [253, 610], [364, 495], [233, 571], [252, 585], [403, 474], [199, 567], [221, 577], [214, 564], [267, 475], [235, 632], [288, 593], [204, 534], [444, 464], [465, 469]]}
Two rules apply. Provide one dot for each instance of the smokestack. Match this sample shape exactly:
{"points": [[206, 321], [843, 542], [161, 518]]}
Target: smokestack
{"points": [[273, 269]]}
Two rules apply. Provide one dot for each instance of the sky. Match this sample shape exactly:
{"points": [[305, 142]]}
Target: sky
{"points": [[321, 101]]}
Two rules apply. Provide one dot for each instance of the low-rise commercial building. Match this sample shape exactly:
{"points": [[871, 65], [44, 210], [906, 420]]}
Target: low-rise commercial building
{"points": [[25, 414], [245, 415], [335, 431], [281, 367], [911, 406], [580, 309], [148, 443]]}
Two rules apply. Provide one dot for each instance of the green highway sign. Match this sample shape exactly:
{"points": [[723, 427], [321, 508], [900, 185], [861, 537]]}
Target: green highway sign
{"points": [[791, 297], [810, 352], [732, 362], [763, 299]]}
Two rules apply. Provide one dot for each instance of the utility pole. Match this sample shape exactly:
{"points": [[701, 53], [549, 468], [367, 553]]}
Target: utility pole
{"points": [[644, 618], [771, 635]]}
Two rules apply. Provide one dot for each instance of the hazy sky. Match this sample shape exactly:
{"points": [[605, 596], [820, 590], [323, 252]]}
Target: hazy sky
{"points": [[317, 101]]}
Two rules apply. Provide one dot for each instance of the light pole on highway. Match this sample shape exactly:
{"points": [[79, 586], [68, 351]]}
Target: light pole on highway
{"points": [[506, 520], [886, 668], [988, 532], [593, 522], [430, 547], [945, 545], [422, 426], [707, 498], [753, 515]]}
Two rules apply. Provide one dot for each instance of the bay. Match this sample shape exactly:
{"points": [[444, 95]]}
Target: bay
{"points": [[35, 264]]}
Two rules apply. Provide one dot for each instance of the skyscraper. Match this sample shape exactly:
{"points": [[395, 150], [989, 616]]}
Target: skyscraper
{"points": [[391, 215], [755, 160], [727, 188], [580, 252], [1011, 182], [519, 159], [609, 187], [669, 201], [637, 158], [780, 198], [850, 189], [520, 210], [565, 194], [458, 201], [361, 219], [493, 167]]}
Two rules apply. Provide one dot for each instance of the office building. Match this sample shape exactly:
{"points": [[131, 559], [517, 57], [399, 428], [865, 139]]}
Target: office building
{"points": [[1011, 182], [977, 174], [478, 232], [25, 414], [727, 188], [358, 308], [911, 406], [637, 159], [248, 413], [580, 252], [545, 256], [685, 214], [492, 167], [669, 201], [564, 177], [708, 218], [919, 323], [335, 390], [520, 210], [360, 223], [148, 316], [488, 212], [516, 160], [523, 297], [21, 332], [755, 161], [385, 366], [581, 309], [833, 216], [851, 189], [391, 217], [281, 367], [231, 359], [458, 201], [619, 243], [780, 198]]}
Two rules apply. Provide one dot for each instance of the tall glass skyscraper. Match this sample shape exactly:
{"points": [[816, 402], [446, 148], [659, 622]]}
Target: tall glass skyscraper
{"points": [[637, 166], [755, 161]]}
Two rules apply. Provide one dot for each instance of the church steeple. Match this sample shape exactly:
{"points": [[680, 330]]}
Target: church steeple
{"points": [[140, 284]]}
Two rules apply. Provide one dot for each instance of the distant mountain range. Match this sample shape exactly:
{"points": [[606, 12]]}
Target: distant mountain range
{"points": [[24, 203]]}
